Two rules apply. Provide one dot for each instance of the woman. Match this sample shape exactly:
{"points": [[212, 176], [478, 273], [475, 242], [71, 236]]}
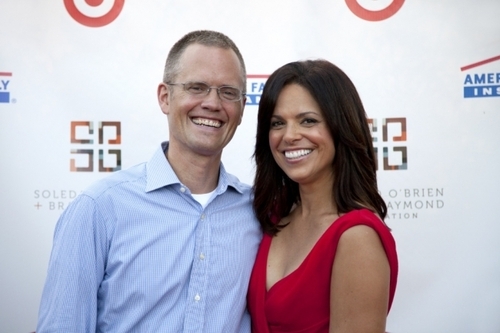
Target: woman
{"points": [[327, 262]]}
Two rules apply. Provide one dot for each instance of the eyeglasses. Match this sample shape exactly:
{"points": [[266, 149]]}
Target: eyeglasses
{"points": [[226, 93]]}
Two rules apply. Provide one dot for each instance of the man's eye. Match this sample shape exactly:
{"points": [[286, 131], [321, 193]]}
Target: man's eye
{"points": [[228, 92], [196, 88]]}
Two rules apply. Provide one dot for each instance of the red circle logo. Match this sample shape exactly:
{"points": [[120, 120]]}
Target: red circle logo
{"points": [[374, 15], [94, 22]]}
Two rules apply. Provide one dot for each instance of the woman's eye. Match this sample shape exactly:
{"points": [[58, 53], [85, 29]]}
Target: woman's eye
{"points": [[309, 121]]}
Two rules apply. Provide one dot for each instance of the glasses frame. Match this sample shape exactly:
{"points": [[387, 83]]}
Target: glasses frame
{"points": [[208, 90]]}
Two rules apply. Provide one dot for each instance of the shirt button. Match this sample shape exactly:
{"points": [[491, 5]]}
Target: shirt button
{"points": [[202, 256], [197, 297], [202, 216], [183, 189]]}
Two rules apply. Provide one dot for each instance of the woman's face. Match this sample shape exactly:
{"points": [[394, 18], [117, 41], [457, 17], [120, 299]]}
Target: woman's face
{"points": [[299, 137]]}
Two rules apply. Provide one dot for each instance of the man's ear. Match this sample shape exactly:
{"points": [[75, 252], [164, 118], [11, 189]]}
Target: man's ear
{"points": [[163, 97]]}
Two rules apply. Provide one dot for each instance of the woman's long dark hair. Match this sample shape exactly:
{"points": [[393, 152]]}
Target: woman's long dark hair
{"points": [[354, 165]]}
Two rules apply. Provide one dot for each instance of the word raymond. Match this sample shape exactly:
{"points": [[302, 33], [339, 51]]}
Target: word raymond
{"points": [[406, 203]]}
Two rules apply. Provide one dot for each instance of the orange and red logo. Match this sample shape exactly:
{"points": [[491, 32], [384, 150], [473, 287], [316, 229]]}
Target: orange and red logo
{"points": [[111, 8], [374, 15]]}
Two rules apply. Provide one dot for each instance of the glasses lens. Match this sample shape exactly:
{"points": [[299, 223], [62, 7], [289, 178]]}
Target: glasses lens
{"points": [[196, 88], [229, 93], [225, 92]]}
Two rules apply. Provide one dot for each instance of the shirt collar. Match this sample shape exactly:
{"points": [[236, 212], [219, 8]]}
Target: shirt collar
{"points": [[159, 173]]}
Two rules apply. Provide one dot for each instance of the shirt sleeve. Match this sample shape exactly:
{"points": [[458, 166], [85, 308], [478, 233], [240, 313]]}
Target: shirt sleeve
{"points": [[75, 271]]}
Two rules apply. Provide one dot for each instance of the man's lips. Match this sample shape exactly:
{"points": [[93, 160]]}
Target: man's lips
{"points": [[207, 122]]}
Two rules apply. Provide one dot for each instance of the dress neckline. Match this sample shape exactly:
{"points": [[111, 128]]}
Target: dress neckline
{"points": [[286, 277]]}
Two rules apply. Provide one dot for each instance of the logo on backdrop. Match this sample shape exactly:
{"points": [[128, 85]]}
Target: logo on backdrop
{"points": [[255, 85], [479, 83], [53, 199], [389, 143], [371, 11], [104, 144], [389, 137], [4, 88], [94, 13], [407, 203]]}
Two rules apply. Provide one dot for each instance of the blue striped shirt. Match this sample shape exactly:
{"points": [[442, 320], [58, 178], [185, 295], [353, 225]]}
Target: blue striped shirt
{"points": [[136, 253]]}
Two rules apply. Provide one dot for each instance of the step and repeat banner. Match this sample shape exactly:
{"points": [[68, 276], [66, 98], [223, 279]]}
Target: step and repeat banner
{"points": [[78, 101]]}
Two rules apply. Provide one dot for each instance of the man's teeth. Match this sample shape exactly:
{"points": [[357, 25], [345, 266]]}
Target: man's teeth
{"points": [[297, 153], [207, 122]]}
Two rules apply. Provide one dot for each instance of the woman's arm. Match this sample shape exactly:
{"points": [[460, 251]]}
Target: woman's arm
{"points": [[359, 293]]}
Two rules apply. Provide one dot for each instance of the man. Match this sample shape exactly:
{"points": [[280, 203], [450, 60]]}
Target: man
{"points": [[168, 245]]}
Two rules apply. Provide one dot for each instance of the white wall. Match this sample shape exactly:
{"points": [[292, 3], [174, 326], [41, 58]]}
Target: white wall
{"points": [[412, 65]]}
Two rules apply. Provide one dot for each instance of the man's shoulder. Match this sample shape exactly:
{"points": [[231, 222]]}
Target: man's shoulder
{"points": [[118, 181]]}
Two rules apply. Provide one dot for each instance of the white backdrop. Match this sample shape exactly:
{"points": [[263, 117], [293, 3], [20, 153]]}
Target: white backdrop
{"points": [[428, 73]]}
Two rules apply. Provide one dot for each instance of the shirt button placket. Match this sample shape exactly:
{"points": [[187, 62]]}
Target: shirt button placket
{"points": [[195, 311]]}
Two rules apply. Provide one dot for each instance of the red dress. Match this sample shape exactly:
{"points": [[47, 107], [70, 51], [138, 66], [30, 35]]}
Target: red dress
{"points": [[300, 302]]}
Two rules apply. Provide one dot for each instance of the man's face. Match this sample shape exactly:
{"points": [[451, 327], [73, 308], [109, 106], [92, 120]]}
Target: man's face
{"points": [[203, 124]]}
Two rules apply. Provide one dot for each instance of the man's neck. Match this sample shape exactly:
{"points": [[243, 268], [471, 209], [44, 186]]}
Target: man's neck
{"points": [[199, 173]]}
